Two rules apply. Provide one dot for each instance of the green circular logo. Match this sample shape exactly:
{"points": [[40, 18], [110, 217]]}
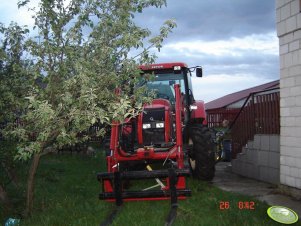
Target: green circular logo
{"points": [[282, 214]]}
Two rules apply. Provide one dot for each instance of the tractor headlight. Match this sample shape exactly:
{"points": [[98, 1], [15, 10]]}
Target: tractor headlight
{"points": [[177, 68], [160, 125], [146, 126], [193, 107]]}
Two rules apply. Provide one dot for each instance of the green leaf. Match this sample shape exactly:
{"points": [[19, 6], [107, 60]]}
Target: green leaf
{"points": [[22, 3]]}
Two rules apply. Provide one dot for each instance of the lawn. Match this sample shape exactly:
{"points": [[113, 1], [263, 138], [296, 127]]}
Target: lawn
{"points": [[67, 194]]}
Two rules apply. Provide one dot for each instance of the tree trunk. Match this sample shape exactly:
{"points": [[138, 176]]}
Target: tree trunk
{"points": [[30, 184], [4, 198]]}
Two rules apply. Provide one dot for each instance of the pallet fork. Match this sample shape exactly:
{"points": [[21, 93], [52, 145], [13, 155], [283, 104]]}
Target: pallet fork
{"points": [[170, 191]]}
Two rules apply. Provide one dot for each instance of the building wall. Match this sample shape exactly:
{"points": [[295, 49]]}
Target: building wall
{"points": [[288, 18], [259, 159]]}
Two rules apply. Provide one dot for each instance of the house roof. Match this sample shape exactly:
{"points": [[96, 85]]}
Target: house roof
{"points": [[237, 96]]}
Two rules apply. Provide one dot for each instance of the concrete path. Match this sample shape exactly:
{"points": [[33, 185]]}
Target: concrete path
{"points": [[228, 181]]}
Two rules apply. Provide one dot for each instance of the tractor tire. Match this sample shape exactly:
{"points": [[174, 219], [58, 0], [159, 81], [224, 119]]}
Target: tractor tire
{"points": [[201, 152]]}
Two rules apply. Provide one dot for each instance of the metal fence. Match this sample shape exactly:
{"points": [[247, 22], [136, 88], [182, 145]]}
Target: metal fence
{"points": [[215, 117], [259, 115]]}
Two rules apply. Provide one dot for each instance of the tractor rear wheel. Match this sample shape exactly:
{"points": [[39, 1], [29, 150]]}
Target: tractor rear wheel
{"points": [[201, 153]]}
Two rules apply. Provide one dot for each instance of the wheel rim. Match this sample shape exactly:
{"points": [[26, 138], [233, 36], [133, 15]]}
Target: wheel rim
{"points": [[191, 161]]}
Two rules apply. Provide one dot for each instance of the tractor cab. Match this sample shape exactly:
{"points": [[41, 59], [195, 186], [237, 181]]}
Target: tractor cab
{"points": [[165, 76]]}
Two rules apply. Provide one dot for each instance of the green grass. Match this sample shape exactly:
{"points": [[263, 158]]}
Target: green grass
{"points": [[67, 194]]}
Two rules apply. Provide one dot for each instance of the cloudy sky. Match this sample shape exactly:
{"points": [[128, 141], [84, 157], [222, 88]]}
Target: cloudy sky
{"points": [[234, 41]]}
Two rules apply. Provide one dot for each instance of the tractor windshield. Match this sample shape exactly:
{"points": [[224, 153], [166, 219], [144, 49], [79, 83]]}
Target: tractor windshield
{"points": [[163, 85]]}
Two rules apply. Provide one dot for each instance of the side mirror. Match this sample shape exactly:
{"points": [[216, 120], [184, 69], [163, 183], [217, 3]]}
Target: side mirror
{"points": [[199, 72]]}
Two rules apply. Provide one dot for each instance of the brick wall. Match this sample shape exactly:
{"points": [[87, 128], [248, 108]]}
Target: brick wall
{"points": [[259, 159], [288, 18]]}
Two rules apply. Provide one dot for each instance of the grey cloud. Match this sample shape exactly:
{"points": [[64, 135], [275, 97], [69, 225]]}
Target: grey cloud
{"points": [[213, 20], [255, 63]]}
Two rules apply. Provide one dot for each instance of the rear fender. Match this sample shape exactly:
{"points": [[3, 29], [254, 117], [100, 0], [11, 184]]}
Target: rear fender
{"points": [[198, 112]]}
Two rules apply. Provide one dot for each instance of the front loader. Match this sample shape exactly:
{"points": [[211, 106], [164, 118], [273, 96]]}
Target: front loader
{"points": [[168, 141]]}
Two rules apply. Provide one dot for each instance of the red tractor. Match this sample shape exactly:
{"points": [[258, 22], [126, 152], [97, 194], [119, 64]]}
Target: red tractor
{"points": [[166, 142]]}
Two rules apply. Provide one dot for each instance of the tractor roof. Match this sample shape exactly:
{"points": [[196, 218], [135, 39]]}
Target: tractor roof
{"points": [[152, 67]]}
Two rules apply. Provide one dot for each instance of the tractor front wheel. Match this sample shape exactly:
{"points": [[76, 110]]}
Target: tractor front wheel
{"points": [[201, 152]]}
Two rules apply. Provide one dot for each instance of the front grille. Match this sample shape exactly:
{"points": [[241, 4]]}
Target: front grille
{"points": [[153, 135]]}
